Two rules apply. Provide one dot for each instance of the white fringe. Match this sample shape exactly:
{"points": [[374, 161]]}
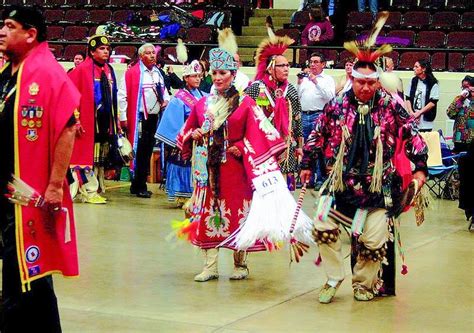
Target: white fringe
{"points": [[270, 218]]}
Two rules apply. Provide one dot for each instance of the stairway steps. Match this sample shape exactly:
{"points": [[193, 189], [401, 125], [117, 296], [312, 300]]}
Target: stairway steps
{"points": [[254, 31], [260, 21], [273, 12], [249, 40]]}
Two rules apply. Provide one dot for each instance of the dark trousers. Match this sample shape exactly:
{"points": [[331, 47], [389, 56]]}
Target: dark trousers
{"points": [[146, 141], [35, 310]]}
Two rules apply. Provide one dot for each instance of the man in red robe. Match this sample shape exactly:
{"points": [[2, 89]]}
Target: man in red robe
{"points": [[37, 130], [95, 145]]}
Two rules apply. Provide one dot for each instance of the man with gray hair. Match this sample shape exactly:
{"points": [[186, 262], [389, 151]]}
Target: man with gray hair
{"points": [[142, 95]]}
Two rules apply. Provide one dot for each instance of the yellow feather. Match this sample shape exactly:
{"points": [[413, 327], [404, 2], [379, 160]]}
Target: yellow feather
{"points": [[383, 16], [384, 49], [181, 52], [352, 47], [227, 41]]}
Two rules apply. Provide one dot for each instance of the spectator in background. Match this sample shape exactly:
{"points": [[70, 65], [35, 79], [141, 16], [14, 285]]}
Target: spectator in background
{"points": [[141, 97], [79, 57], [96, 81], [178, 170], [206, 81], [345, 83], [319, 30], [462, 111], [373, 5], [314, 92], [171, 79], [305, 70], [423, 95]]}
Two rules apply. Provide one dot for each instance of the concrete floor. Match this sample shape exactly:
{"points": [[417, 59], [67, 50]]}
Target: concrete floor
{"points": [[133, 280]]}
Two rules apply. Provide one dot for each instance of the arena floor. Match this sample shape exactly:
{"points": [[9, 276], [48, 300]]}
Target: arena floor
{"points": [[133, 280]]}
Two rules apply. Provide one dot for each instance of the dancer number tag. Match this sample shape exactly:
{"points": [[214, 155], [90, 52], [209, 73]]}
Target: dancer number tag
{"points": [[269, 182]]}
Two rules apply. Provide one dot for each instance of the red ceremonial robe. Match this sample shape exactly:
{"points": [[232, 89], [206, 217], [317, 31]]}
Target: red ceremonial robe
{"points": [[45, 101], [258, 141], [83, 77]]}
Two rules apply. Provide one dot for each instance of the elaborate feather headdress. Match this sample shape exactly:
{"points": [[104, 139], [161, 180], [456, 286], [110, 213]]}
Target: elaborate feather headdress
{"points": [[223, 56], [269, 48], [364, 50]]}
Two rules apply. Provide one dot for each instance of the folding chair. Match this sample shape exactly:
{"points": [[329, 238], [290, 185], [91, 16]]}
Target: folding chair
{"points": [[442, 171]]}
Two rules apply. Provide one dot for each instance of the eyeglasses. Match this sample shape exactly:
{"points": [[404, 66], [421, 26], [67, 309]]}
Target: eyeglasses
{"points": [[283, 65]]}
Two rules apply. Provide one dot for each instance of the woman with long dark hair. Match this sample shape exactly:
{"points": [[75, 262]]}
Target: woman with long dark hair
{"points": [[423, 95], [231, 143]]}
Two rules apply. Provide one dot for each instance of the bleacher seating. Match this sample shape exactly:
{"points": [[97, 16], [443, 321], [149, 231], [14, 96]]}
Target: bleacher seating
{"points": [[121, 15], [445, 20], [469, 63], [128, 50], [359, 20], [73, 16], [57, 50], [455, 61], [76, 33], [393, 21], [99, 16], [199, 35], [467, 21], [408, 59], [53, 15], [460, 39], [55, 32], [438, 61], [71, 49], [415, 20], [408, 35], [432, 39]]}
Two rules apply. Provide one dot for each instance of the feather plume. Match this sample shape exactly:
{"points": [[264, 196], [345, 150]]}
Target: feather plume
{"points": [[352, 47], [270, 47], [383, 16], [181, 52], [227, 41], [363, 50]]}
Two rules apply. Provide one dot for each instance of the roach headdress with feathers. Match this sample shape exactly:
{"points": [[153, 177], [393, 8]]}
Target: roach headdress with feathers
{"points": [[365, 50], [267, 51]]}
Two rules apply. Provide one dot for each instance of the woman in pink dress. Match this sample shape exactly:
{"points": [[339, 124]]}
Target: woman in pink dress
{"points": [[231, 142]]}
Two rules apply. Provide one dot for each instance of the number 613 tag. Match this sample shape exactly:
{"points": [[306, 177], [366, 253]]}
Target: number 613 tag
{"points": [[269, 183]]}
